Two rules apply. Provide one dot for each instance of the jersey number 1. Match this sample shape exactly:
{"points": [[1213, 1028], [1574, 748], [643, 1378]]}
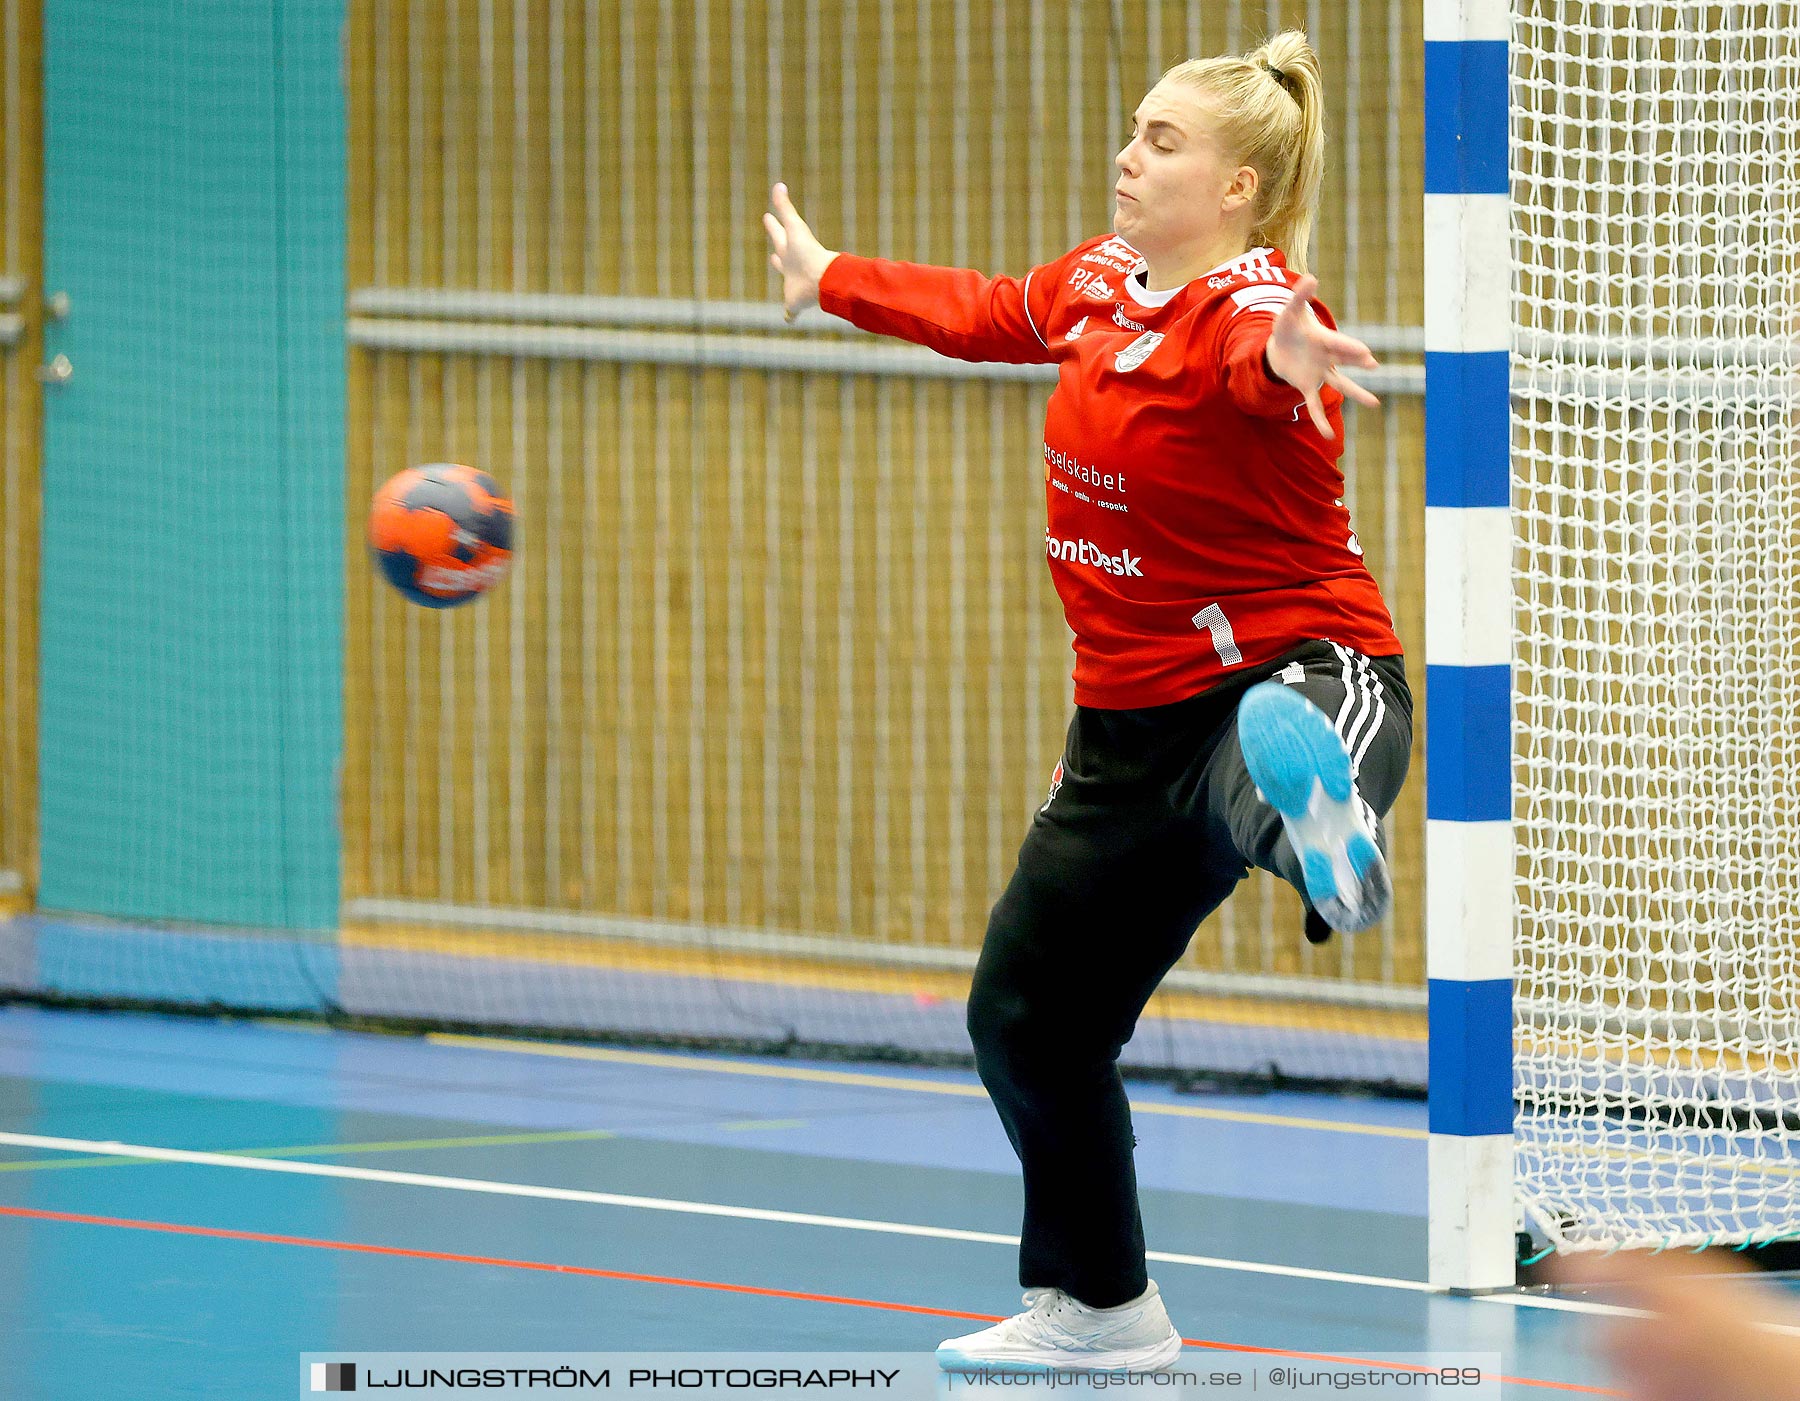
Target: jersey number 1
{"points": [[1213, 619]]}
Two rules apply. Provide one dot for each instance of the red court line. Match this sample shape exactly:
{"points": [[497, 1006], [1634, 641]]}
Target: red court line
{"points": [[589, 1271], [356, 1247]]}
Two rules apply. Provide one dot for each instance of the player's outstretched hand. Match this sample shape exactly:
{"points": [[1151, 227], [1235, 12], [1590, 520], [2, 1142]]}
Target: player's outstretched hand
{"points": [[799, 257], [1309, 355], [1707, 1337]]}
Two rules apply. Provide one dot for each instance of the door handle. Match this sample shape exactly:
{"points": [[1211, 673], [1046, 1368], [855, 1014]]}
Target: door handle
{"points": [[58, 371]]}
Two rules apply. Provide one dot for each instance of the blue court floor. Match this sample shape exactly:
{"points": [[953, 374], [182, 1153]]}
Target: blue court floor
{"points": [[468, 1195]]}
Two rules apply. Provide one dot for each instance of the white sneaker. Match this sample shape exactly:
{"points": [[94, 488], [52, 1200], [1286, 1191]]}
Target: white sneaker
{"points": [[1057, 1331]]}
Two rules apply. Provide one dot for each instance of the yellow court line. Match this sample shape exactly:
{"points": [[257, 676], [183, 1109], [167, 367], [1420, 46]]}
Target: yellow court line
{"points": [[891, 1082], [1753, 1166], [928, 984], [1693, 1060], [329, 1149], [943, 1087]]}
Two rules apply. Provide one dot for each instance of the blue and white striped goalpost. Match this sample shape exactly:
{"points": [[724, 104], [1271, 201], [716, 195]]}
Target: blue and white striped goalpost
{"points": [[1468, 645]]}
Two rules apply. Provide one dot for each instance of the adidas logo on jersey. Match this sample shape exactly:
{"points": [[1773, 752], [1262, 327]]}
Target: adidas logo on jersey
{"points": [[1074, 332]]}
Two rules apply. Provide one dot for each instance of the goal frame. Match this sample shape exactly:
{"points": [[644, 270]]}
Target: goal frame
{"points": [[1469, 846]]}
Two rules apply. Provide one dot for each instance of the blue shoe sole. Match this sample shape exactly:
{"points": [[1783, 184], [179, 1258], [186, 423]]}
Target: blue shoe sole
{"points": [[1300, 766]]}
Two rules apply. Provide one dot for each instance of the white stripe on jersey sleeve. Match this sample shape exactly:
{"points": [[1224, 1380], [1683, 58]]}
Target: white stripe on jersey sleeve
{"points": [[1025, 297]]}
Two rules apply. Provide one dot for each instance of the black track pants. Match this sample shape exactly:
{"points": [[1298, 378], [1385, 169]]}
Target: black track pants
{"points": [[1151, 824]]}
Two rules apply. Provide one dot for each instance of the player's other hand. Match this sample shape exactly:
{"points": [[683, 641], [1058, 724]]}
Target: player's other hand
{"points": [[1309, 355], [1709, 1336], [799, 257]]}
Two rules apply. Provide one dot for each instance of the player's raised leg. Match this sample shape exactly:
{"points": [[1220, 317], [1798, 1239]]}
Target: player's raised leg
{"points": [[1324, 747]]}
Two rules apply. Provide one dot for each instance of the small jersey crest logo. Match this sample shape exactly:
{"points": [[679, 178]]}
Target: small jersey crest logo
{"points": [[1137, 352]]}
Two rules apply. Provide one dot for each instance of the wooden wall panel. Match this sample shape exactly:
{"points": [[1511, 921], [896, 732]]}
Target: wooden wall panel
{"points": [[779, 652], [21, 430]]}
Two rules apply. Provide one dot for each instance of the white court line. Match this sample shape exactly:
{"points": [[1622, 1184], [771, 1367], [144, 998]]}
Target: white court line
{"points": [[1540, 1301], [302, 1168], [1544, 1301]]}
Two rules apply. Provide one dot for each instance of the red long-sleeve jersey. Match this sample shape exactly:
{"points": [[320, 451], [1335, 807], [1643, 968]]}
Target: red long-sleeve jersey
{"points": [[1196, 522]]}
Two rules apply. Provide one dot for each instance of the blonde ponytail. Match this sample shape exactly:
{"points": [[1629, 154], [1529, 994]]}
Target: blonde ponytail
{"points": [[1270, 109]]}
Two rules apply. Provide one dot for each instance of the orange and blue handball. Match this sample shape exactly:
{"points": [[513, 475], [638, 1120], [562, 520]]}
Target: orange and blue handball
{"points": [[442, 533]]}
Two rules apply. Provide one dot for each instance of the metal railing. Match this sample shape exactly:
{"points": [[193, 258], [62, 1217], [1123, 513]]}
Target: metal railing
{"points": [[718, 334]]}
